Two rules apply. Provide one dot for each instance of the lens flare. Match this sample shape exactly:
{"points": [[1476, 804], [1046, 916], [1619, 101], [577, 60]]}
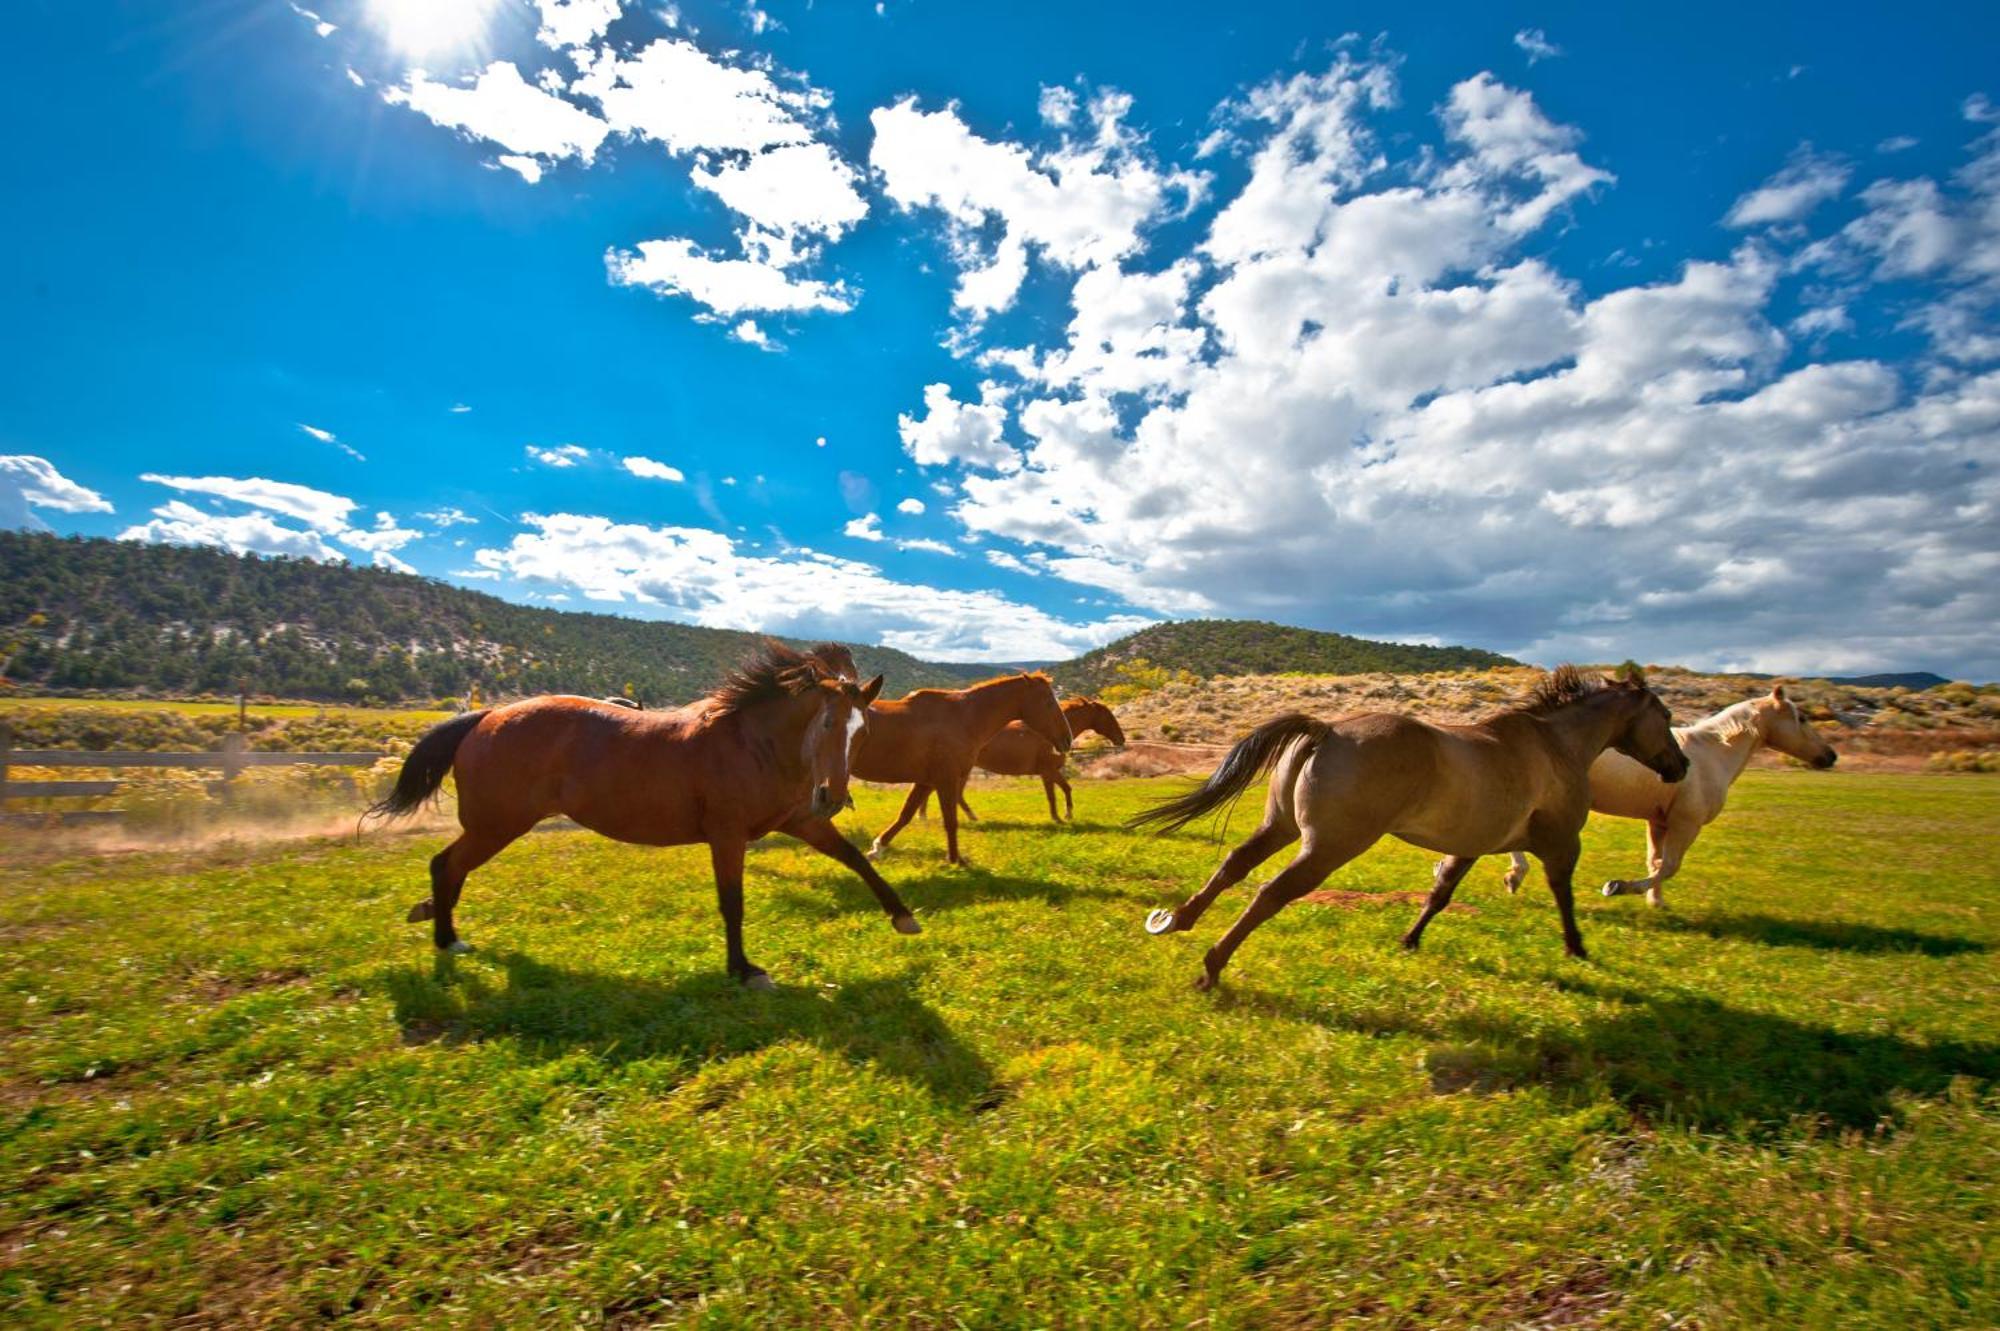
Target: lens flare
{"points": [[429, 29]]}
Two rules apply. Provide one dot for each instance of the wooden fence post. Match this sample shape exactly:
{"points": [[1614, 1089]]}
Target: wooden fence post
{"points": [[6, 746], [232, 761]]}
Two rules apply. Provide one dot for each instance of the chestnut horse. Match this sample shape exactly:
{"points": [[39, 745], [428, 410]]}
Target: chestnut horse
{"points": [[1718, 749], [766, 751], [1519, 780], [1019, 751], [931, 737]]}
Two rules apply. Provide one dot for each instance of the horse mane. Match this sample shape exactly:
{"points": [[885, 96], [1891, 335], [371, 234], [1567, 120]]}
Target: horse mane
{"points": [[1042, 675], [771, 671], [833, 656], [1739, 718], [1556, 690]]}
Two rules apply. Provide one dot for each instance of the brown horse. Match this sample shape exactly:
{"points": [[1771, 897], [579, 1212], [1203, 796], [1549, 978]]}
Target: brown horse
{"points": [[765, 751], [1519, 780], [1019, 751], [931, 737]]}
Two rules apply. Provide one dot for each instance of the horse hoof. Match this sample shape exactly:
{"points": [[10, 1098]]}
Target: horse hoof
{"points": [[759, 983], [1612, 889], [457, 947], [907, 924], [1204, 982], [419, 912], [1160, 922], [876, 851]]}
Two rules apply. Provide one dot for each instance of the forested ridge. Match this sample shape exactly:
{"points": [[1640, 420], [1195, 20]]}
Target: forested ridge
{"points": [[88, 614]]}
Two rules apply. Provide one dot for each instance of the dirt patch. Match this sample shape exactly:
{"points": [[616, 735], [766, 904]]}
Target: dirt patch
{"points": [[222, 988], [1327, 896]]}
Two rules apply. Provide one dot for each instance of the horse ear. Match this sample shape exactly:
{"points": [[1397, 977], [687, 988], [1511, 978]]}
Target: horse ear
{"points": [[1778, 692], [871, 690]]}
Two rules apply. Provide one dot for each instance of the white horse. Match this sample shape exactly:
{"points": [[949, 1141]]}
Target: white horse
{"points": [[1718, 750]]}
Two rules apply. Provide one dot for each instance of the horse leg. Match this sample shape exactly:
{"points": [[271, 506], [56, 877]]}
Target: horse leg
{"points": [[1069, 797], [1449, 873], [1049, 789], [825, 838], [448, 870], [965, 808], [1517, 872], [918, 796], [1558, 856], [949, 796], [1673, 847], [727, 857], [1307, 870], [1237, 865]]}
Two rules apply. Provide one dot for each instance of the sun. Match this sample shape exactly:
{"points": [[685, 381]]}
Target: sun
{"points": [[427, 29]]}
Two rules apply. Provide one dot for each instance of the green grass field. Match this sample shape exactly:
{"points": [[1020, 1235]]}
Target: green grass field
{"points": [[238, 1089]]}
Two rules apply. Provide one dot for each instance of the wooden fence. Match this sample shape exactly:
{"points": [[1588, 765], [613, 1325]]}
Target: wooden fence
{"points": [[231, 760]]}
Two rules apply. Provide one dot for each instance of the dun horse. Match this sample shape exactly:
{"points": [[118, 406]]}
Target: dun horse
{"points": [[1718, 749], [1019, 751], [765, 751], [1515, 781], [932, 737]]}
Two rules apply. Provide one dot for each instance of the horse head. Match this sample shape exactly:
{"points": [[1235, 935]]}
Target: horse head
{"points": [[1090, 714], [830, 736], [1041, 713], [1787, 731], [1647, 733]]}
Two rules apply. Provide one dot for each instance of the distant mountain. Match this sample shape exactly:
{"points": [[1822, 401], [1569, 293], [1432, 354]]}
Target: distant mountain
{"points": [[1914, 680], [1207, 647], [179, 620]]}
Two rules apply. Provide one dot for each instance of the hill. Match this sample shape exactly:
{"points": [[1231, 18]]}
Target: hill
{"points": [[180, 620], [1209, 647]]}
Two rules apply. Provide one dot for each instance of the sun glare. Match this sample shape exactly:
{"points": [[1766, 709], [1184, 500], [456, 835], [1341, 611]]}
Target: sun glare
{"points": [[432, 28]]}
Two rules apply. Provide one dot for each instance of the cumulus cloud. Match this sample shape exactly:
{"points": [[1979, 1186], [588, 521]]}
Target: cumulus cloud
{"points": [[177, 522], [651, 470], [535, 126], [953, 431], [562, 455], [1079, 204], [728, 287], [319, 510], [1361, 404], [569, 23], [700, 576], [1807, 181], [449, 516], [911, 506], [28, 482]]}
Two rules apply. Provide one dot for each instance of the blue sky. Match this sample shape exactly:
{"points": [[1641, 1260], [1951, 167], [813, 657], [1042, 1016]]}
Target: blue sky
{"points": [[992, 332]]}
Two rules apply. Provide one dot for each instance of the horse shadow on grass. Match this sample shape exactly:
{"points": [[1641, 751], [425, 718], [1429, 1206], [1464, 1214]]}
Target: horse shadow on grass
{"points": [[550, 1011], [939, 890], [1776, 931], [1679, 1058]]}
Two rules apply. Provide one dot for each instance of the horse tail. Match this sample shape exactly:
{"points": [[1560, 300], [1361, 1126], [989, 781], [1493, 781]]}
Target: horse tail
{"points": [[1253, 755], [426, 767]]}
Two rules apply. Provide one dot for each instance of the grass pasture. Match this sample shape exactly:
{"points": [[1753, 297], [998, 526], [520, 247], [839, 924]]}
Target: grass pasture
{"points": [[239, 1090]]}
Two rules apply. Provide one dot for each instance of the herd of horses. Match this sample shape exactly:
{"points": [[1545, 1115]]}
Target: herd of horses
{"points": [[773, 747]]}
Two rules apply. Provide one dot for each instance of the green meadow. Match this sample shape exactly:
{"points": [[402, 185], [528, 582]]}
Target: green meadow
{"points": [[238, 1089]]}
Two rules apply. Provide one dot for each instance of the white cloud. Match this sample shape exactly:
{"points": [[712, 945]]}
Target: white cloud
{"points": [[1896, 143], [383, 537], [179, 523], [911, 506], [674, 94], [1364, 408], [567, 23], [534, 125], [867, 527], [700, 576], [728, 287], [449, 516], [1536, 44], [319, 510], [1079, 204], [562, 455], [954, 431], [1057, 106], [28, 482], [748, 332], [329, 437], [1807, 181], [651, 470], [459, 408], [795, 190]]}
